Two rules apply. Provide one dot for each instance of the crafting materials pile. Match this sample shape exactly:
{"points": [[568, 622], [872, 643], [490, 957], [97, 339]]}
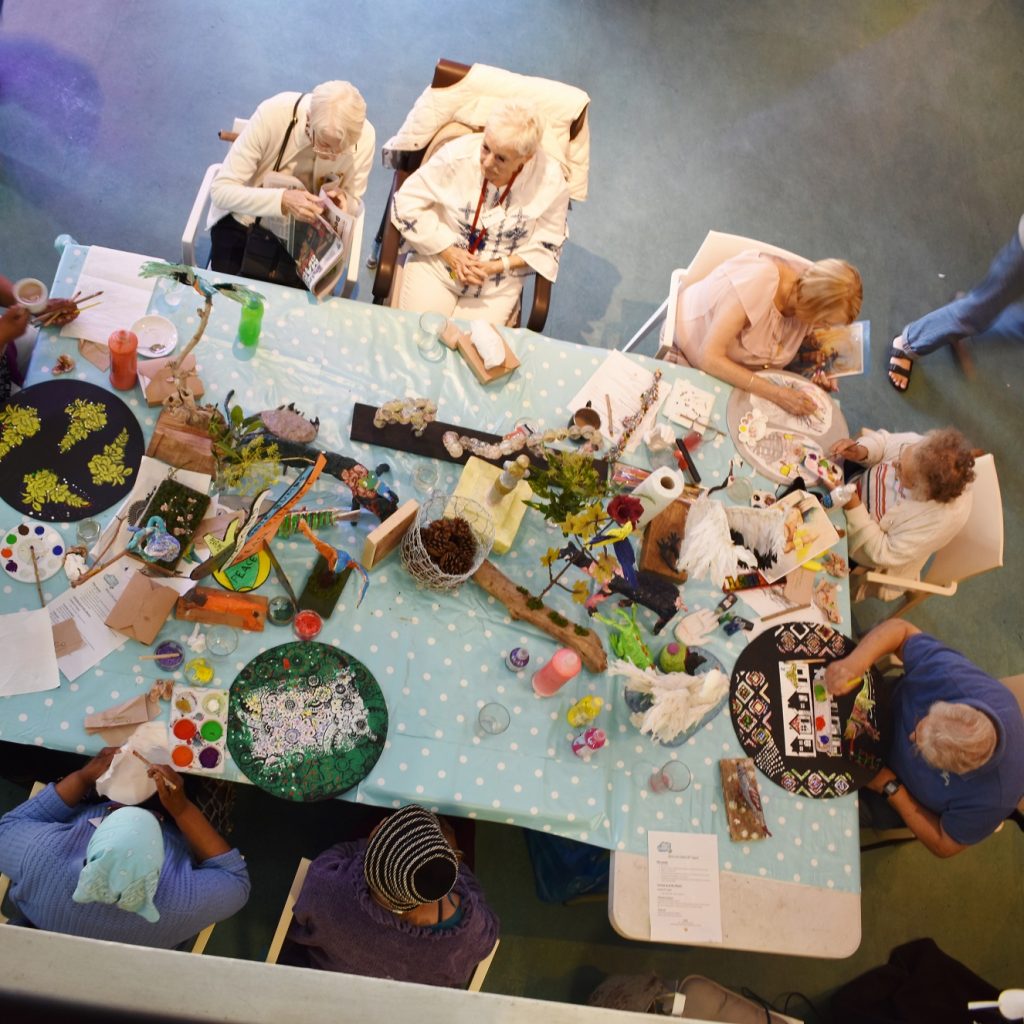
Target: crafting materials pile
{"points": [[448, 542]]}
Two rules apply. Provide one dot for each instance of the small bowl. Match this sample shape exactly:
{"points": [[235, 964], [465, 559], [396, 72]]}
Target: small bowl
{"points": [[157, 335]]}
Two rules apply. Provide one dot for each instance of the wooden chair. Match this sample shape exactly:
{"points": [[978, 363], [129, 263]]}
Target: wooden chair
{"points": [[876, 838], [977, 548], [195, 226], [475, 983], [716, 248], [385, 253]]}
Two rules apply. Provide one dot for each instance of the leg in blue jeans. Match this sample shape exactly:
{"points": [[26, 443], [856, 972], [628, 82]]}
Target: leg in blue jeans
{"points": [[978, 310]]}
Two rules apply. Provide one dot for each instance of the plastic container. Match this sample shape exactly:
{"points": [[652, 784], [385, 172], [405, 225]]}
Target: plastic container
{"points": [[552, 676], [124, 359], [250, 323]]}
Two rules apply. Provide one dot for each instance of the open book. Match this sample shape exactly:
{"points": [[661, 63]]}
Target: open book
{"points": [[320, 250]]}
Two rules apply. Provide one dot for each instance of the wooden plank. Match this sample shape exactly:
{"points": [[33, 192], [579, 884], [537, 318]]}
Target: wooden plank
{"points": [[219, 607], [659, 536]]}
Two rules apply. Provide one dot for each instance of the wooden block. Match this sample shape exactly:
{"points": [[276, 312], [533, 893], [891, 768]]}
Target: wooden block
{"points": [[181, 444], [476, 364], [659, 535], [219, 607], [386, 537]]}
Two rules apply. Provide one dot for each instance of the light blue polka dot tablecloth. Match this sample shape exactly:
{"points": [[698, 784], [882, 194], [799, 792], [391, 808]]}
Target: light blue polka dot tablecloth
{"points": [[440, 657]]}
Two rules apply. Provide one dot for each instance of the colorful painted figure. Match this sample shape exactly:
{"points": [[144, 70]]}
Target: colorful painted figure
{"points": [[626, 641], [584, 711], [152, 541], [587, 742]]}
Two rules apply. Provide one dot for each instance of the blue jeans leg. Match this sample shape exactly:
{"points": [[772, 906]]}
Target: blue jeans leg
{"points": [[975, 312]]}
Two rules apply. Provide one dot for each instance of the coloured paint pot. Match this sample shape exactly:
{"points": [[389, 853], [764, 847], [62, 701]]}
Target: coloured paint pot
{"points": [[172, 655], [184, 729], [209, 757], [213, 705], [185, 704], [199, 672], [211, 732], [181, 756], [307, 624]]}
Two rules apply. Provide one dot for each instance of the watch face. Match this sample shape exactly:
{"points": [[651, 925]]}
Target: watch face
{"points": [[891, 787]]}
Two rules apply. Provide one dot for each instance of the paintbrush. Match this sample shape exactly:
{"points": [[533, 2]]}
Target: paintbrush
{"points": [[285, 582], [35, 570], [785, 611], [149, 764]]}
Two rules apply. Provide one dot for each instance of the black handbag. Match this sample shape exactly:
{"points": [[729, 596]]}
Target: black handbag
{"points": [[265, 258]]}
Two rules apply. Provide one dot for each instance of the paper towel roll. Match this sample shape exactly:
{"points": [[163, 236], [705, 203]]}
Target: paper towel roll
{"points": [[657, 492]]}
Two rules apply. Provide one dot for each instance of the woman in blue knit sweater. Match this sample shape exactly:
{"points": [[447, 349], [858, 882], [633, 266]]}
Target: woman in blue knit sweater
{"points": [[119, 873]]}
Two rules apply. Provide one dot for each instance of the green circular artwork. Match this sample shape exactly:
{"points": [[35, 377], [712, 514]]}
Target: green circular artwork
{"points": [[306, 721]]}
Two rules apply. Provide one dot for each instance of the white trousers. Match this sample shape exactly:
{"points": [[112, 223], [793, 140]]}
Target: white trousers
{"points": [[427, 287]]}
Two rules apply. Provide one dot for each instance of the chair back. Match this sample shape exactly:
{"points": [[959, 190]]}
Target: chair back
{"points": [[978, 547]]}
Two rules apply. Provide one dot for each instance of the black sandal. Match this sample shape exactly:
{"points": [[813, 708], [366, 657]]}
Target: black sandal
{"points": [[901, 372]]}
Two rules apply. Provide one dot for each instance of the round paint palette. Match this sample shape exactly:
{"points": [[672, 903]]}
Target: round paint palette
{"points": [[26, 539]]}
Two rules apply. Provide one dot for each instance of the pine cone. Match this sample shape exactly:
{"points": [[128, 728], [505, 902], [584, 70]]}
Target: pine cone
{"points": [[450, 545]]}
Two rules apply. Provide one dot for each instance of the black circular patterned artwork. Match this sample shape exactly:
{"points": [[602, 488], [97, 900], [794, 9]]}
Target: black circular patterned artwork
{"points": [[306, 721], [68, 450], [803, 740]]}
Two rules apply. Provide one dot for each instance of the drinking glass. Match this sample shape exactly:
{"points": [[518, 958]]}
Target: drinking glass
{"points": [[671, 777], [221, 640], [493, 719], [87, 532], [429, 341], [425, 476]]}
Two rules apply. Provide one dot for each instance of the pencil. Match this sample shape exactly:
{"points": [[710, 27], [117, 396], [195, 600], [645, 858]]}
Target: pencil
{"points": [[149, 764]]}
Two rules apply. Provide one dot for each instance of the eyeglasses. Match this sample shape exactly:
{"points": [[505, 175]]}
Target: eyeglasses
{"points": [[323, 149]]}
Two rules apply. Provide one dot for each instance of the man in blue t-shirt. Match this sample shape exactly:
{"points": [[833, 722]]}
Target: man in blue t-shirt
{"points": [[955, 763]]}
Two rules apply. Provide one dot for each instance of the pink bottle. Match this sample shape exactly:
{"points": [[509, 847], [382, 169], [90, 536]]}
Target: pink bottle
{"points": [[552, 676]]}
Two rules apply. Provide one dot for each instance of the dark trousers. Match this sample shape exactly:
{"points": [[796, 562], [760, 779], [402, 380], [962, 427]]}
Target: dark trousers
{"points": [[227, 250]]}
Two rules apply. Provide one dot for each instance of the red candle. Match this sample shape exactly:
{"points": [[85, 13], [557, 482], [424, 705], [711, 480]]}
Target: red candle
{"points": [[124, 359], [307, 624]]}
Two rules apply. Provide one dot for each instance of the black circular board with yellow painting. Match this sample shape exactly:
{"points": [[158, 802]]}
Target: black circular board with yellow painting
{"points": [[808, 743], [306, 721], [68, 450]]}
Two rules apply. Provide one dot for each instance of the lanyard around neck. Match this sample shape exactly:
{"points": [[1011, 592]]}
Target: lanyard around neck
{"points": [[476, 240]]}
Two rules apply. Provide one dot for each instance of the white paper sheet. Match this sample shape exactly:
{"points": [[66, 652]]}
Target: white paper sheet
{"points": [[89, 605], [621, 381], [769, 601], [689, 406], [685, 902], [125, 298], [29, 663]]}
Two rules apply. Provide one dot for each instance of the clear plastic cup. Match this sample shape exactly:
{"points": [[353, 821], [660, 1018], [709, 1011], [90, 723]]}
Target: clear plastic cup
{"points": [[493, 719], [429, 341], [221, 640], [671, 777]]}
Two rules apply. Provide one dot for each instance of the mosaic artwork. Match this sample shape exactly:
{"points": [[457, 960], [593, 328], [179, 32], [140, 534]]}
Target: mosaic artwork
{"points": [[68, 449], [804, 740], [306, 721]]}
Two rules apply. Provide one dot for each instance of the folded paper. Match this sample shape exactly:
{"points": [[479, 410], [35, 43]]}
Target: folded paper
{"points": [[66, 637], [158, 378], [142, 609]]}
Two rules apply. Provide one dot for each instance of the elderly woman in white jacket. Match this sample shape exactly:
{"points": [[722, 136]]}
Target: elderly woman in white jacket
{"points": [[482, 211], [913, 497]]}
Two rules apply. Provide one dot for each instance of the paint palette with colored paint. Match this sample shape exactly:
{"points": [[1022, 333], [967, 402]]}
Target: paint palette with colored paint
{"points": [[198, 730], [26, 539]]}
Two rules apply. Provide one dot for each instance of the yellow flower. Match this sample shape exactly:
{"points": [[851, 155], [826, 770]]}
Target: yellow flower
{"points": [[605, 568], [109, 467], [580, 592], [550, 557], [584, 524]]}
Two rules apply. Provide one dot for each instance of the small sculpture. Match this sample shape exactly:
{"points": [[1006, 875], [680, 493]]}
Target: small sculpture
{"points": [[626, 641], [153, 542], [457, 444], [513, 471]]}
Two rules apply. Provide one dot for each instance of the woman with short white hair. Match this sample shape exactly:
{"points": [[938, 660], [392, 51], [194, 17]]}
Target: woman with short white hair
{"points": [[481, 212], [322, 137]]}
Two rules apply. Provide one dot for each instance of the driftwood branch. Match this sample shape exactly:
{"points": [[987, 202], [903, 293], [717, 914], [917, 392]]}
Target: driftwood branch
{"points": [[498, 585]]}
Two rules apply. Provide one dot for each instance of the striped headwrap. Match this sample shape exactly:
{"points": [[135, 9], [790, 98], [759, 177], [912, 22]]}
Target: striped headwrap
{"points": [[408, 861]]}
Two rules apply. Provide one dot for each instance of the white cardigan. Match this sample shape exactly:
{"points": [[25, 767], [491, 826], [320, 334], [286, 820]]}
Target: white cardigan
{"points": [[236, 188], [911, 530]]}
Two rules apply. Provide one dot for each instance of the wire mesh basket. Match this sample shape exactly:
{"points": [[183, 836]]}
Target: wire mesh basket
{"points": [[420, 565]]}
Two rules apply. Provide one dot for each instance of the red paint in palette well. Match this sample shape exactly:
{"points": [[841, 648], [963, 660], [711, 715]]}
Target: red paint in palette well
{"points": [[6, 552]]}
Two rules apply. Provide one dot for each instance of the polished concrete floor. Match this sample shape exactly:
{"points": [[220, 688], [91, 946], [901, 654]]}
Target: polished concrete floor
{"points": [[885, 132]]}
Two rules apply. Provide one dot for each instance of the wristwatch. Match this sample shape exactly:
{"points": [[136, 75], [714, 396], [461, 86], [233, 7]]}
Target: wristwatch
{"points": [[891, 788]]}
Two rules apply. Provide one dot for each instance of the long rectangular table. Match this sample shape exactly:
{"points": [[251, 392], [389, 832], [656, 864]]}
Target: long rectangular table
{"points": [[440, 657]]}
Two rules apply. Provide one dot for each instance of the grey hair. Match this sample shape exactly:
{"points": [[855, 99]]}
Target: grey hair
{"points": [[516, 126], [337, 110], [955, 737]]}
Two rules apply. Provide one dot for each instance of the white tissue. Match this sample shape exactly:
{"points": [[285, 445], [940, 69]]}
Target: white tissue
{"points": [[126, 781], [488, 342]]}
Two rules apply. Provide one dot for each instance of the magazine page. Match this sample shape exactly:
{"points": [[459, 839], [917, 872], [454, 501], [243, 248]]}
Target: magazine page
{"points": [[322, 249], [837, 351], [281, 226]]}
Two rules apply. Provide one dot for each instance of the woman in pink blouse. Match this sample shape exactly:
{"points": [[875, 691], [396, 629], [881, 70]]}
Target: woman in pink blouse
{"points": [[753, 311]]}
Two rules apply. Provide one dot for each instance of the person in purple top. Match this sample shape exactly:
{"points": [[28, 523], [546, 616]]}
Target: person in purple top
{"points": [[396, 905], [955, 763], [120, 873]]}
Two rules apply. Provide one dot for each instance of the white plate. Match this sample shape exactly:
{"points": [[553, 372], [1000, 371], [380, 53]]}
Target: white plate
{"points": [[46, 544], [157, 335]]}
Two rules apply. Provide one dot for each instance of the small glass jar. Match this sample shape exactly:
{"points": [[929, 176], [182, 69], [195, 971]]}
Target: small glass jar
{"points": [[124, 359]]}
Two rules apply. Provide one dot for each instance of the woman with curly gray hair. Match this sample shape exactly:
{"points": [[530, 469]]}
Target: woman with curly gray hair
{"points": [[913, 497]]}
